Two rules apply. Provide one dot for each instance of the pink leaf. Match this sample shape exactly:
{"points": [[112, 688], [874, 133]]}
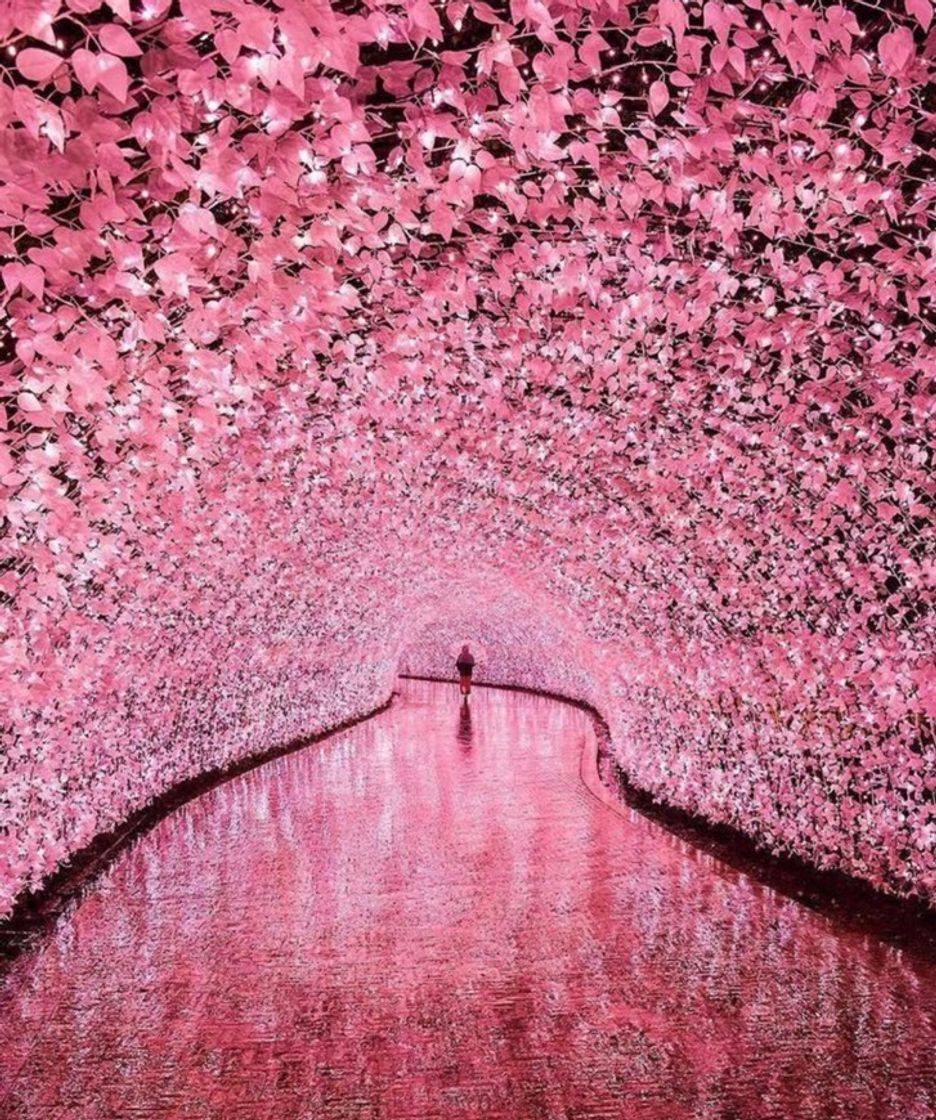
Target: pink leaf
{"points": [[85, 66], [895, 49], [113, 76], [659, 98], [590, 51], [638, 146], [922, 10], [118, 40], [28, 402], [649, 36], [672, 15], [27, 276], [33, 280], [424, 20], [173, 272], [37, 65]]}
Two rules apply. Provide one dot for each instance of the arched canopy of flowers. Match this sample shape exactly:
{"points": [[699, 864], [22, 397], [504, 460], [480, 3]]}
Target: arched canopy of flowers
{"points": [[324, 319]]}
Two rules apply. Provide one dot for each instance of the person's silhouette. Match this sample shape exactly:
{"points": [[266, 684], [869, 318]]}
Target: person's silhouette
{"points": [[465, 665]]}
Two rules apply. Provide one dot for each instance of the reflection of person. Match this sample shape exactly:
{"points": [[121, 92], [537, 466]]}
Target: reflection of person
{"points": [[465, 666], [463, 734]]}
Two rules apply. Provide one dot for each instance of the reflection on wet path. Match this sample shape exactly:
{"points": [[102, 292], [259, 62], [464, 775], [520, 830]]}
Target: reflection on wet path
{"points": [[428, 916]]}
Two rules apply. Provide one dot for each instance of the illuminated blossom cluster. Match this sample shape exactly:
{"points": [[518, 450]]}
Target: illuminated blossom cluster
{"points": [[326, 321]]}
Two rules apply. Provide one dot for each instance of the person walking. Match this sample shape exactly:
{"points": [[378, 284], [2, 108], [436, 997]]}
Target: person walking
{"points": [[465, 665]]}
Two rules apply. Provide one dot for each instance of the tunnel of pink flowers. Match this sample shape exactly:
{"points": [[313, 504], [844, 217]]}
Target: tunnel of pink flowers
{"points": [[596, 333]]}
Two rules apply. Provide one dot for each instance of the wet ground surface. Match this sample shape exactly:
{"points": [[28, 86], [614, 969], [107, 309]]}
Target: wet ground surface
{"points": [[431, 916]]}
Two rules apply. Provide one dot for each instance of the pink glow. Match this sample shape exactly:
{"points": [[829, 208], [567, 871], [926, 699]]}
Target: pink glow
{"points": [[601, 331], [428, 917]]}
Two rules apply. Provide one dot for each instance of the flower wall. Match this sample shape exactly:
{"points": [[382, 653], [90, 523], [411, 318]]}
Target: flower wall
{"points": [[606, 324]]}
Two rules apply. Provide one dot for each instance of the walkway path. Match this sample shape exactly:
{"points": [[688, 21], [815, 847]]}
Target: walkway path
{"points": [[428, 916]]}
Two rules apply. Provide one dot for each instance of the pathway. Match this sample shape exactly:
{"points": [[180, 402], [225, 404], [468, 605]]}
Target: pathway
{"points": [[429, 916]]}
